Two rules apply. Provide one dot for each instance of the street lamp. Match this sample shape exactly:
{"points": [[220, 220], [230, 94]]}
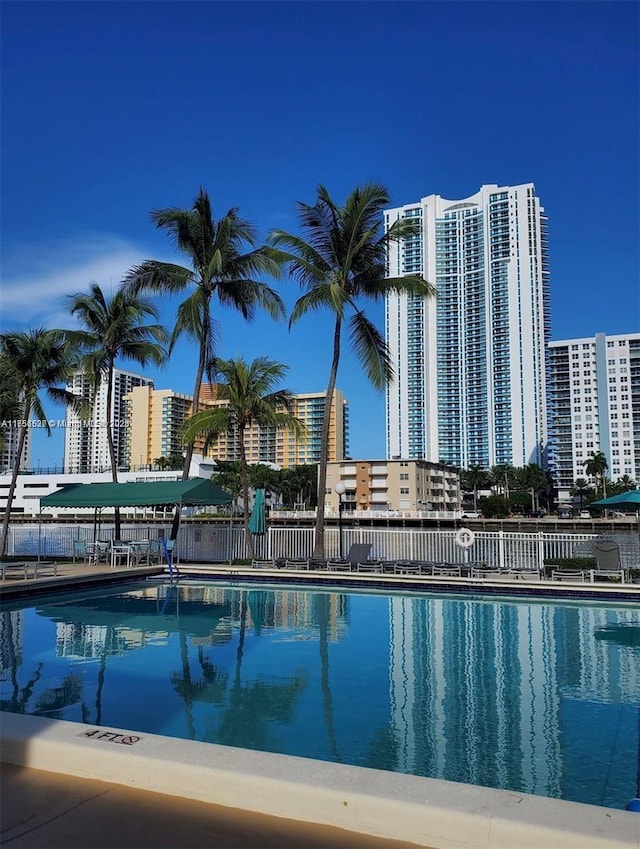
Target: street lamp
{"points": [[340, 490]]}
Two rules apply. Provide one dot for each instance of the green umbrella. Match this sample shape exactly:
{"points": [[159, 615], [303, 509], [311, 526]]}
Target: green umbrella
{"points": [[624, 501], [257, 520], [629, 501]]}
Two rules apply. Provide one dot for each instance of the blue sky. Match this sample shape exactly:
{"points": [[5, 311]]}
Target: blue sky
{"points": [[113, 109]]}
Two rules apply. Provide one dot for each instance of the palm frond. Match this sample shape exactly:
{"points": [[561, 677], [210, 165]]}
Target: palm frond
{"points": [[154, 276], [371, 349], [316, 299], [206, 423], [412, 285]]}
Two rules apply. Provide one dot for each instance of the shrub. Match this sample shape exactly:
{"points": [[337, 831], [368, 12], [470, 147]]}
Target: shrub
{"points": [[572, 562]]}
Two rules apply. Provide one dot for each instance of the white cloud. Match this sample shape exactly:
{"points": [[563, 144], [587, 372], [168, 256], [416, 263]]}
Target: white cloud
{"points": [[37, 279]]}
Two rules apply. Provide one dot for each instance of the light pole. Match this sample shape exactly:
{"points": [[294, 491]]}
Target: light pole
{"points": [[340, 490]]}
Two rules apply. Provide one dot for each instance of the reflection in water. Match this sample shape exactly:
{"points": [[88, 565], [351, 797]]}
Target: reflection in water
{"points": [[540, 698]]}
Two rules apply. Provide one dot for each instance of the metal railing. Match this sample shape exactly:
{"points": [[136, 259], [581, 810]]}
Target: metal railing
{"points": [[207, 543]]}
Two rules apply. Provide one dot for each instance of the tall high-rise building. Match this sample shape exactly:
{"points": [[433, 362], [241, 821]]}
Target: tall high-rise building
{"points": [[9, 448], [154, 418], [594, 405], [470, 362], [276, 445], [86, 448]]}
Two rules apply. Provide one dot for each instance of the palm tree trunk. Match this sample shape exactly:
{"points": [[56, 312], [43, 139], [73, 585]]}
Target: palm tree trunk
{"points": [[244, 472], [14, 478], [318, 544], [112, 449], [195, 407]]}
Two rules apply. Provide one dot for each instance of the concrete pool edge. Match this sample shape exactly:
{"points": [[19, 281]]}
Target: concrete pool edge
{"points": [[423, 811]]}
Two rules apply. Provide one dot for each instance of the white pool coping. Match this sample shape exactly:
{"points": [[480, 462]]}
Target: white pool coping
{"points": [[423, 811]]}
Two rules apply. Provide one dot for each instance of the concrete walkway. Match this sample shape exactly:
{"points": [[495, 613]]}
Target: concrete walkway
{"points": [[46, 810]]}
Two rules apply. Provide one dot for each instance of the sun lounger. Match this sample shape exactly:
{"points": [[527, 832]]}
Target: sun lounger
{"points": [[14, 567], [46, 566]]}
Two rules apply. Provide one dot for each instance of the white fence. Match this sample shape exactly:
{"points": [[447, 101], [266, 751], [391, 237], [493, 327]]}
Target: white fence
{"points": [[219, 543]]}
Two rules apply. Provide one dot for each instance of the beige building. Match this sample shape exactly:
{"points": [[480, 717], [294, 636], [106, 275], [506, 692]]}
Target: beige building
{"points": [[412, 485], [154, 417], [278, 446]]}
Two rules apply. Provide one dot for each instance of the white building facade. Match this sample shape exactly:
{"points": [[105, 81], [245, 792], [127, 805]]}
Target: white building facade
{"points": [[594, 405], [470, 362], [86, 448], [9, 449]]}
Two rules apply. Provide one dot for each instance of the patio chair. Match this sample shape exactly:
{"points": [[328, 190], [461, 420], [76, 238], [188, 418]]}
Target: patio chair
{"points": [[408, 567], [81, 551], [50, 566], [13, 566], [339, 566], [481, 570], [450, 570], [296, 563], [155, 552], [359, 552], [575, 575], [258, 563], [608, 564]]}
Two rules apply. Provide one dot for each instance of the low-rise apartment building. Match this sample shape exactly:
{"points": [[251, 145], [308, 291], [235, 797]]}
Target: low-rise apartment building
{"points": [[381, 485]]}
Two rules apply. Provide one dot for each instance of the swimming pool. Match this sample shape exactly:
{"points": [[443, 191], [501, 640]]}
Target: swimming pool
{"points": [[533, 696]]}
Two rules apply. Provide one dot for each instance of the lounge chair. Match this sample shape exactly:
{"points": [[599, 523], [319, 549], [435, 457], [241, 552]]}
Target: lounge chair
{"points": [[14, 566], [50, 566], [359, 552], [260, 563], [608, 564], [573, 575]]}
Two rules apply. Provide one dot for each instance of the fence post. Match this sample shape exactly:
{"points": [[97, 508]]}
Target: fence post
{"points": [[540, 553], [501, 557]]}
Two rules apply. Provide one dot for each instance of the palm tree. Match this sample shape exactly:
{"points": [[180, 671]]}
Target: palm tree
{"points": [[472, 479], [35, 360], [502, 477], [343, 261], [533, 478], [581, 488], [251, 396], [596, 466], [218, 267], [111, 329], [625, 484]]}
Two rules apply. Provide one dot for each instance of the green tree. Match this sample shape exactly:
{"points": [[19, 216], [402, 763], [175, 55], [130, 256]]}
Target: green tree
{"points": [[218, 270], [494, 506], [533, 478], [582, 489], [472, 479], [251, 395], [624, 484], [300, 484], [342, 261], [38, 360], [596, 466], [113, 328], [502, 477], [229, 478]]}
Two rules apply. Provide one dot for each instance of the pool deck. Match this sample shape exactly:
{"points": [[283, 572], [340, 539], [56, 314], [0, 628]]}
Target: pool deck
{"points": [[57, 791], [57, 811], [76, 576]]}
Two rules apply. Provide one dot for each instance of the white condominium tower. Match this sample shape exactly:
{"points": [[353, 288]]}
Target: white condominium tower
{"points": [[594, 405], [470, 362], [86, 448]]}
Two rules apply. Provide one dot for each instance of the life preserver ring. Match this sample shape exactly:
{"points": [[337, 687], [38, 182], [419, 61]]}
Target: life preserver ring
{"points": [[465, 538]]}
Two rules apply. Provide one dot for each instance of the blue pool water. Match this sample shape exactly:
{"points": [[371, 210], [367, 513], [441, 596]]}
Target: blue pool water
{"points": [[538, 697]]}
